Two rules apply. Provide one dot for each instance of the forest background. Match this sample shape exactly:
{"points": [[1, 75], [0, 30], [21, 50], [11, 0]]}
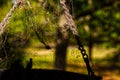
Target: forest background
{"points": [[31, 31]]}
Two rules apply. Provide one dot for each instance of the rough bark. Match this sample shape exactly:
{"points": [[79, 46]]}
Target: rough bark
{"points": [[61, 50]]}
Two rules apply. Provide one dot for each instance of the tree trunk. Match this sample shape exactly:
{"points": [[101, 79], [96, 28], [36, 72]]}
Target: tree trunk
{"points": [[90, 47], [61, 49]]}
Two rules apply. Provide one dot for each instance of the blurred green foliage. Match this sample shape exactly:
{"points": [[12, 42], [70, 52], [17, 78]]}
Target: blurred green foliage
{"points": [[98, 21], [21, 30]]}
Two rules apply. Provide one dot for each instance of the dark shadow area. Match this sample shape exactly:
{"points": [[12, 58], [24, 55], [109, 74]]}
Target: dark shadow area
{"points": [[11, 48], [110, 63], [74, 66], [44, 74], [2, 2], [115, 58], [18, 72], [111, 68]]}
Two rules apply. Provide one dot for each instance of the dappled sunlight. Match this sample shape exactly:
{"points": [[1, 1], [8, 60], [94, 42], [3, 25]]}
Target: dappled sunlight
{"points": [[103, 52], [38, 51], [74, 36], [44, 59]]}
